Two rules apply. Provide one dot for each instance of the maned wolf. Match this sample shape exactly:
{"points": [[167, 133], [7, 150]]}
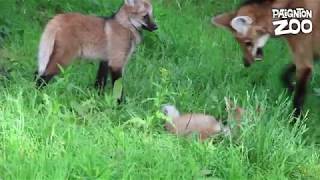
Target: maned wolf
{"points": [[252, 26], [110, 40], [205, 125], [184, 125]]}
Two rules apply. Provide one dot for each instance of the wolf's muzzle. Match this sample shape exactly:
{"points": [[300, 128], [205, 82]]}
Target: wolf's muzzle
{"points": [[150, 25], [259, 56]]}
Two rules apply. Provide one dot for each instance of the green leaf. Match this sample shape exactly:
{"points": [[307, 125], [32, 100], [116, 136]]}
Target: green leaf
{"points": [[117, 89]]}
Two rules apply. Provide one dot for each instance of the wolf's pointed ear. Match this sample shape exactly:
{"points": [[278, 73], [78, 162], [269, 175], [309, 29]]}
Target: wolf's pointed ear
{"points": [[130, 2], [280, 4], [241, 24], [223, 20]]}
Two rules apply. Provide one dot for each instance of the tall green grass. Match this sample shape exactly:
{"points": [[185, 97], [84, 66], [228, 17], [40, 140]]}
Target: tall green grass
{"points": [[68, 131]]}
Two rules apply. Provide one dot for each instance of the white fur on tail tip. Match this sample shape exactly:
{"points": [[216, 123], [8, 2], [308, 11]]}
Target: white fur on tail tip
{"points": [[170, 111], [45, 49]]}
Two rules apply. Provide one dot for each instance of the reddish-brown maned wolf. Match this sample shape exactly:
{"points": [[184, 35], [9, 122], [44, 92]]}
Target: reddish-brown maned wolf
{"points": [[252, 25], [109, 40]]}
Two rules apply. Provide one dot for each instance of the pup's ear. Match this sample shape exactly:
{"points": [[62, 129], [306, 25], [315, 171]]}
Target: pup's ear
{"points": [[223, 20], [130, 2], [229, 104]]}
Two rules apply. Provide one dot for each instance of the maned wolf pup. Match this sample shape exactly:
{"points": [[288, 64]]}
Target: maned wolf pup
{"points": [[110, 40], [252, 26], [206, 126]]}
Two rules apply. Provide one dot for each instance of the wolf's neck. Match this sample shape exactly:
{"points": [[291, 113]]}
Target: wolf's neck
{"points": [[122, 18]]}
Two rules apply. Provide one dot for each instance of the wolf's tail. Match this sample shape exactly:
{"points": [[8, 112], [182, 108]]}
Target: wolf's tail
{"points": [[46, 48]]}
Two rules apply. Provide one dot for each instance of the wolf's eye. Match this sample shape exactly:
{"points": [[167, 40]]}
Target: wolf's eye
{"points": [[146, 17], [249, 44]]}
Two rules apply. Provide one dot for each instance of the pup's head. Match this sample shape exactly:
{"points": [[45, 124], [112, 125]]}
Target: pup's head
{"points": [[235, 113], [251, 25], [170, 111], [140, 14]]}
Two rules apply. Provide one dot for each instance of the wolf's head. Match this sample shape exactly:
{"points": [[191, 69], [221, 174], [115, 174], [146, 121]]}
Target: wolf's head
{"points": [[251, 25], [139, 14]]}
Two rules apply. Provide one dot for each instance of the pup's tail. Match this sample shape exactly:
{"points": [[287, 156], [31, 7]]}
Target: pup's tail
{"points": [[46, 47]]}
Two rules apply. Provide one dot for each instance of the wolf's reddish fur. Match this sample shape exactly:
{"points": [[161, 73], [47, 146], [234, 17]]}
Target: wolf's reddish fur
{"points": [[109, 40], [305, 47]]}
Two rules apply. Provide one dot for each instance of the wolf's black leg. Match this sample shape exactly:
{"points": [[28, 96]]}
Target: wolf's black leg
{"points": [[35, 75], [42, 81], [287, 76], [301, 90], [115, 75], [102, 76]]}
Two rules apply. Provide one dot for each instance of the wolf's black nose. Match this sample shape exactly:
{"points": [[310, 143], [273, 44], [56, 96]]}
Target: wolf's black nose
{"points": [[154, 27]]}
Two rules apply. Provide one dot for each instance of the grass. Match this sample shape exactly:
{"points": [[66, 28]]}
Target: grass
{"points": [[67, 131]]}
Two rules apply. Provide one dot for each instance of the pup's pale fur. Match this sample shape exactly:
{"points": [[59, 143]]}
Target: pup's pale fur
{"points": [[205, 125]]}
